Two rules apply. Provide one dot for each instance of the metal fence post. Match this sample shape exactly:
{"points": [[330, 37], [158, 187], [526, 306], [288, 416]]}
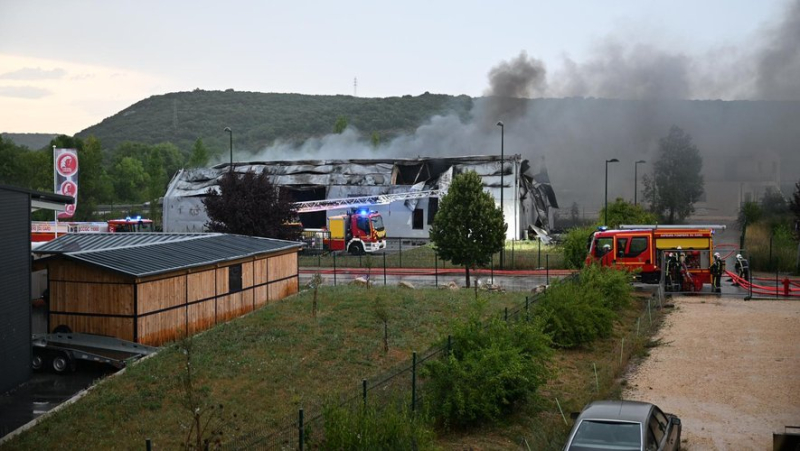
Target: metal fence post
{"points": [[300, 431], [527, 312], [364, 390], [547, 271], [491, 268], [414, 382], [505, 315], [334, 269], [401, 252], [539, 264], [513, 264], [436, 269], [384, 268], [148, 445]]}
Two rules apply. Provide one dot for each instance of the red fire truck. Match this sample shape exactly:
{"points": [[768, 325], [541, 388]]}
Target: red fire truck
{"points": [[357, 231], [641, 247], [42, 231]]}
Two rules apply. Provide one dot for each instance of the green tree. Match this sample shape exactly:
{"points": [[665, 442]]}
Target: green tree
{"points": [[131, 180], [375, 139], [776, 209], [676, 183], [11, 163], [576, 246], [794, 206], [468, 228], [624, 212], [199, 157], [94, 186], [340, 125], [250, 205]]}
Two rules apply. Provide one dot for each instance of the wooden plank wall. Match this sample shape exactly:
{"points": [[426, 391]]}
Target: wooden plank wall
{"points": [[282, 274], [165, 308], [89, 300], [161, 309]]}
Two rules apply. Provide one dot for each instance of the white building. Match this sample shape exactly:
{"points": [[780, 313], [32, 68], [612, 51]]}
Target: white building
{"points": [[527, 195]]}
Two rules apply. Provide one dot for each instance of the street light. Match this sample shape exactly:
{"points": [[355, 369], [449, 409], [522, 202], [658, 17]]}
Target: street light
{"points": [[635, 180], [613, 160], [230, 132], [502, 170]]}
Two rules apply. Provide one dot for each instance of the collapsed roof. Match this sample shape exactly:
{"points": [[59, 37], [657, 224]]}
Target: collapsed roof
{"points": [[335, 179]]}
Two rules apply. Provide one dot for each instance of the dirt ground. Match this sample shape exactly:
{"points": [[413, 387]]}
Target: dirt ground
{"points": [[729, 368]]}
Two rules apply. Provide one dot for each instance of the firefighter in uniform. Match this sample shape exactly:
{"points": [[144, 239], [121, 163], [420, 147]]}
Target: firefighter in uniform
{"points": [[717, 269], [742, 267], [672, 275]]}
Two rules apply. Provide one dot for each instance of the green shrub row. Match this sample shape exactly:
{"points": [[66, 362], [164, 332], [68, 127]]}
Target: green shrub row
{"points": [[576, 312], [490, 368]]}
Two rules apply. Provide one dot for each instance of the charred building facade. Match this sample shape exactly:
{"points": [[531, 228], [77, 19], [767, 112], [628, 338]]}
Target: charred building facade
{"points": [[529, 199]]}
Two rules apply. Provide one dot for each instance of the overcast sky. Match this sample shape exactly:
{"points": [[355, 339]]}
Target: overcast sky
{"points": [[67, 65]]}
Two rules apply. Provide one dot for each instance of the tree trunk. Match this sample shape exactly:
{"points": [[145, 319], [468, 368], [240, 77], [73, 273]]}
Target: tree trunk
{"points": [[466, 268]]}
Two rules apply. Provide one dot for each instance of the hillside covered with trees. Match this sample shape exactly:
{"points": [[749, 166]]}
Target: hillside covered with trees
{"points": [[258, 119]]}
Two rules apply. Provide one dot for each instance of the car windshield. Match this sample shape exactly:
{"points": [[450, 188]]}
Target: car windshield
{"points": [[607, 435], [377, 223]]}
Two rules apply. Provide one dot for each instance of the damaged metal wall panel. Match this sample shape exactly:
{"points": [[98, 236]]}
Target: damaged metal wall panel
{"points": [[526, 200]]}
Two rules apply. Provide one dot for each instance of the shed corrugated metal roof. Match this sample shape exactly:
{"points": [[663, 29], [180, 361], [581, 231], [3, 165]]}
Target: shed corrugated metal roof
{"points": [[147, 254]]}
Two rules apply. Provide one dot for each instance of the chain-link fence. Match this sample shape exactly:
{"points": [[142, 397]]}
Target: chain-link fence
{"points": [[400, 382], [409, 252]]}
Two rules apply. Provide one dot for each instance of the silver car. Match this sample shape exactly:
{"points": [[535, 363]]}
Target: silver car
{"points": [[624, 425]]}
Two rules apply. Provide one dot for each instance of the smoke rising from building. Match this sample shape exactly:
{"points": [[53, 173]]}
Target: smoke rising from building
{"points": [[616, 104]]}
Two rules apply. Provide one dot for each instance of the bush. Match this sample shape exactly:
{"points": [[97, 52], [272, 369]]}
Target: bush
{"points": [[576, 247], [575, 316], [577, 312], [490, 369], [393, 426], [613, 285]]}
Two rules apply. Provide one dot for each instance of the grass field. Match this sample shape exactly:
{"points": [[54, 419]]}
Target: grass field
{"points": [[519, 255], [263, 367]]}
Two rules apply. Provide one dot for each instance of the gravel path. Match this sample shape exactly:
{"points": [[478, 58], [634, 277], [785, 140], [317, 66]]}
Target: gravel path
{"points": [[730, 369]]}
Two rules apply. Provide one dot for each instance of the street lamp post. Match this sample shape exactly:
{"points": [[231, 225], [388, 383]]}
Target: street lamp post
{"points": [[230, 132], [502, 186], [613, 160], [636, 180]]}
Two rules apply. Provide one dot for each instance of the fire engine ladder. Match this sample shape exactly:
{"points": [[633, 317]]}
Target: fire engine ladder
{"points": [[670, 226], [380, 199]]}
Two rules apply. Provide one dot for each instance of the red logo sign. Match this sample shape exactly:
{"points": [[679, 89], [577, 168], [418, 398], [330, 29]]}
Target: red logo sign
{"points": [[67, 164], [69, 188], [69, 210]]}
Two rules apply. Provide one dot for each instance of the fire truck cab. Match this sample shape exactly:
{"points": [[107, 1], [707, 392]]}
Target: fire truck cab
{"points": [[357, 231], [643, 247], [130, 224]]}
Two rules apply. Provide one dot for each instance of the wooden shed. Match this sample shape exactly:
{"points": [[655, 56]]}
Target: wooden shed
{"points": [[152, 288]]}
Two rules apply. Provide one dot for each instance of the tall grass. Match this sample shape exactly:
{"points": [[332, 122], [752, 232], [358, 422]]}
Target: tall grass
{"points": [[780, 256]]}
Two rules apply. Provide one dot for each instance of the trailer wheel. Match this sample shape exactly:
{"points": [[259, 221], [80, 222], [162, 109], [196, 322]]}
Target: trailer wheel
{"points": [[37, 362], [357, 249], [61, 363], [62, 329]]}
